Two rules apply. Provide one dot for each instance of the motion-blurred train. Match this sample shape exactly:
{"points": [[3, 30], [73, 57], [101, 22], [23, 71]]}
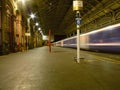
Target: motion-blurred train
{"points": [[105, 39]]}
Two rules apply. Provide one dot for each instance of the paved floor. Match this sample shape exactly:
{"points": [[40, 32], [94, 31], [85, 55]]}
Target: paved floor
{"points": [[38, 69]]}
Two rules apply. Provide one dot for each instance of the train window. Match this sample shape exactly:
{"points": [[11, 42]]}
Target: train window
{"points": [[107, 35]]}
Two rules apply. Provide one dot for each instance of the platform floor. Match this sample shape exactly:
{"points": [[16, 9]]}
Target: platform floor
{"points": [[38, 69]]}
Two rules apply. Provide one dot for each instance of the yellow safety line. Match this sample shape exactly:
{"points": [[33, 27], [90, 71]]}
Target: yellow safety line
{"points": [[90, 60], [108, 60], [100, 58]]}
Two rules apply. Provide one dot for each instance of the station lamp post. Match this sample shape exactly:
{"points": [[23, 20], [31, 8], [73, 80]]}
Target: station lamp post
{"points": [[27, 34], [77, 6]]}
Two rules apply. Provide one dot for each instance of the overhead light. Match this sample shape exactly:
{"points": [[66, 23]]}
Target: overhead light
{"points": [[32, 15], [39, 28], [36, 24]]}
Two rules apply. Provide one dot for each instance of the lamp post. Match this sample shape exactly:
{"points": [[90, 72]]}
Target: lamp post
{"points": [[28, 31], [77, 6]]}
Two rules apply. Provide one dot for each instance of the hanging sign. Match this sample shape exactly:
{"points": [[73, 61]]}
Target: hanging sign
{"points": [[77, 5]]}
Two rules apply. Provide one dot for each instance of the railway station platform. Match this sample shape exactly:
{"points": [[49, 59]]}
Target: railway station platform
{"points": [[38, 69]]}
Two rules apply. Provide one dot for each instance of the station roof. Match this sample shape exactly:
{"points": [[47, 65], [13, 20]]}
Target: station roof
{"points": [[58, 15]]}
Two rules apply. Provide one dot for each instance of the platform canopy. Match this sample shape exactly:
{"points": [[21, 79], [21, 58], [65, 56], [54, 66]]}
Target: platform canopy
{"points": [[58, 15]]}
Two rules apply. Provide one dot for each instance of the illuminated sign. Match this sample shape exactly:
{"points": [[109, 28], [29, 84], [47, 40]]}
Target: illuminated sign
{"points": [[77, 5]]}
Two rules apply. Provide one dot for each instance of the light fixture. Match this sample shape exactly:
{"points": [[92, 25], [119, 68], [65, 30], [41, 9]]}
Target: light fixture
{"points": [[32, 15], [39, 28], [36, 24]]}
